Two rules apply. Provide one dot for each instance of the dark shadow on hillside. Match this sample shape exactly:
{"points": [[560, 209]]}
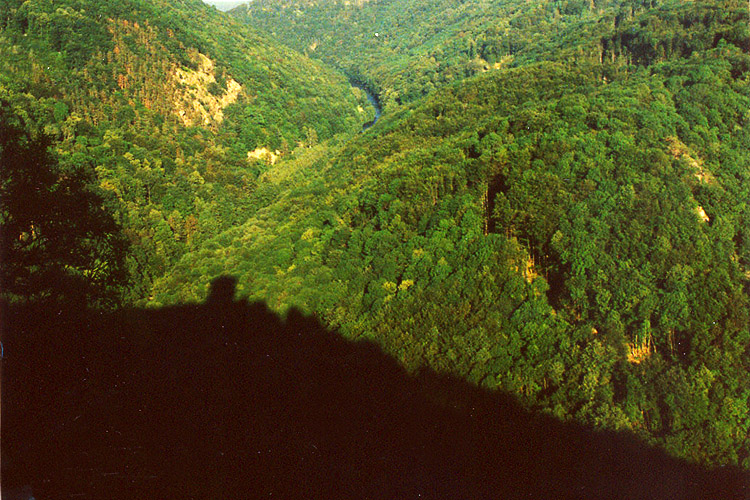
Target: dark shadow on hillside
{"points": [[227, 400]]}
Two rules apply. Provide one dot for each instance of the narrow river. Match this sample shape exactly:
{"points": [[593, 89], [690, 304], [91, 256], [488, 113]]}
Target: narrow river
{"points": [[373, 100]]}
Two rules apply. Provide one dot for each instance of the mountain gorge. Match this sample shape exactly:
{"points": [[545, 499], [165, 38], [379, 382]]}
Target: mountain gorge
{"points": [[554, 204], [168, 105]]}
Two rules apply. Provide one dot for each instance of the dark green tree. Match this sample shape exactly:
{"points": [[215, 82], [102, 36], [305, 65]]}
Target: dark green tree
{"points": [[56, 239]]}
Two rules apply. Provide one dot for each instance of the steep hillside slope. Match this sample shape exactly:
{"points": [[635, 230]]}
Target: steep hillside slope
{"points": [[167, 101], [573, 231]]}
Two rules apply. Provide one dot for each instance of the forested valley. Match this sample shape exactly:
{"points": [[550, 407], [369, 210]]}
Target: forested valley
{"points": [[553, 205]]}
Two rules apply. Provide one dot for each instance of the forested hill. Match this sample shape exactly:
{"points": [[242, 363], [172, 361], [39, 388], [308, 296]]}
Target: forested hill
{"points": [[404, 49], [168, 107], [568, 221]]}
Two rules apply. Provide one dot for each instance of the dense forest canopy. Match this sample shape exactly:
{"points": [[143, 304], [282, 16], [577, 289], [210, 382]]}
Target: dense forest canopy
{"points": [[555, 202], [404, 50], [171, 108]]}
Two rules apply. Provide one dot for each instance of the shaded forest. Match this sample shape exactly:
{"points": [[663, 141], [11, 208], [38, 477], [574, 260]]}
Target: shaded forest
{"points": [[228, 399]]}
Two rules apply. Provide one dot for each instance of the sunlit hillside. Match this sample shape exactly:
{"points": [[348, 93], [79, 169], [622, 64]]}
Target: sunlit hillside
{"points": [[165, 107]]}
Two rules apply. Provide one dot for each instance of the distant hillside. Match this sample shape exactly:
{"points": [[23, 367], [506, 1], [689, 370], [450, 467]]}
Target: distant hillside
{"points": [[405, 49], [224, 5], [174, 106]]}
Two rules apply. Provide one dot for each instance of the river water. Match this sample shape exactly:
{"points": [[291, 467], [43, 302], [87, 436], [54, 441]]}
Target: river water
{"points": [[373, 100]]}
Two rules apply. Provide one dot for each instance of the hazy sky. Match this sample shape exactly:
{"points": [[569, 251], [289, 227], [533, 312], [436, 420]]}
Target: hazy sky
{"points": [[225, 4]]}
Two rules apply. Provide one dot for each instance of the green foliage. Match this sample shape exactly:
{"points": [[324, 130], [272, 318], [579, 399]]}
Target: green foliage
{"points": [[405, 50], [537, 228], [57, 241], [164, 100], [554, 203]]}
